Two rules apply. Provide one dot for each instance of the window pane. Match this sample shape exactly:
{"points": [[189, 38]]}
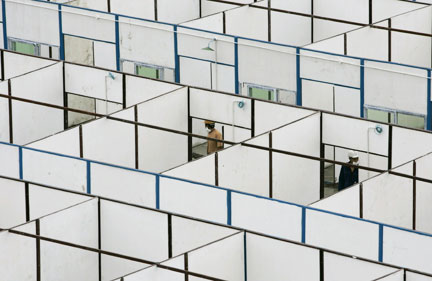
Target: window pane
{"points": [[148, 72], [24, 48], [262, 93], [380, 115], [411, 121]]}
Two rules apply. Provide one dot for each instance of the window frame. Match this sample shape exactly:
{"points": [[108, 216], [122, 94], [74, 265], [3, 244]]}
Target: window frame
{"points": [[250, 86], [36, 45], [395, 113]]}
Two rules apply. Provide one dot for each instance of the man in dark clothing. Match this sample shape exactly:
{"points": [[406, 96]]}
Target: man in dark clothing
{"points": [[349, 175]]}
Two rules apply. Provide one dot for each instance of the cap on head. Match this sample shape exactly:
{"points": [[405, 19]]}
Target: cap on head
{"points": [[207, 122], [353, 154]]}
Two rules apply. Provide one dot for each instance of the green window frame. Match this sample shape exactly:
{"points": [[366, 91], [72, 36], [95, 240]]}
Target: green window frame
{"points": [[25, 47], [149, 71], [393, 116], [262, 92]]}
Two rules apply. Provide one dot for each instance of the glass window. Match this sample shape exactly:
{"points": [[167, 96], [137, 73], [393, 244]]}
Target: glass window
{"points": [[412, 121], [147, 71], [261, 93], [380, 115], [23, 47]]}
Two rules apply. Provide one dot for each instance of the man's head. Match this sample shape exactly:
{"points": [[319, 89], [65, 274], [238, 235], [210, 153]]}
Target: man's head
{"points": [[209, 125], [353, 157]]}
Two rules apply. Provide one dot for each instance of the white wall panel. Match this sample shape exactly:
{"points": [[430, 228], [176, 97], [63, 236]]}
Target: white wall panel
{"points": [[78, 224], [253, 213], [346, 235], [424, 194], [113, 267], [110, 141], [324, 29], [219, 107], [244, 169], [247, 22], [347, 101], [388, 199], [281, 74], [92, 82], [135, 46], [368, 42], [223, 259], [290, 29], [345, 202], [76, 22], [411, 276], [396, 87], [351, 10], [333, 45], [66, 142], [17, 64], [330, 68], [191, 43], [12, 203], [141, 89], [54, 170], [4, 113], [211, 23], [269, 116], [104, 55], [201, 170], [193, 200], [155, 274], [291, 182], [189, 234], [177, 11], [56, 260], [29, 26], [339, 267], [271, 259], [353, 133], [120, 235], [17, 257], [125, 185], [142, 9], [409, 144], [317, 95], [9, 161], [415, 253], [44, 201]]}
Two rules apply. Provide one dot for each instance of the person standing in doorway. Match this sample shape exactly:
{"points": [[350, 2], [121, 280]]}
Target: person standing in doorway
{"points": [[349, 175], [212, 145]]}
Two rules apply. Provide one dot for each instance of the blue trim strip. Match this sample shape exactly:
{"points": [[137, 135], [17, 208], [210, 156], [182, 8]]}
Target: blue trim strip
{"points": [[338, 85], [245, 254], [236, 65], [157, 192], [176, 56], [20, 157], [117, 42], [220, 188], [210, 61], [60, 19], [5, 41], [429, 105], [303, 225], [362, 94], [88, 38], [299, 86], [229, 207], [88, 177], [380, 242]]}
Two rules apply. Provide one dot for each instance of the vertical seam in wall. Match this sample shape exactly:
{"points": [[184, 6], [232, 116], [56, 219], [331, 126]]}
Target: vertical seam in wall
{"points": [[2, 66], [99, 240], [5, 40], [380, 242], [10, 112], [60, 19], [229, 208], [157, 187], [236, 66], [303, 225], [270, 165], [38, 251], [361, 200], [299, 86], [117, 40], [20, 155], [136, 137], [429, 106], [389, 41], [124, 91], [269, 29], [65, 98], [362, 62], [88, 177], [176, 57], [245, 254], [170, 254], [414, 218], [27, 201]]}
